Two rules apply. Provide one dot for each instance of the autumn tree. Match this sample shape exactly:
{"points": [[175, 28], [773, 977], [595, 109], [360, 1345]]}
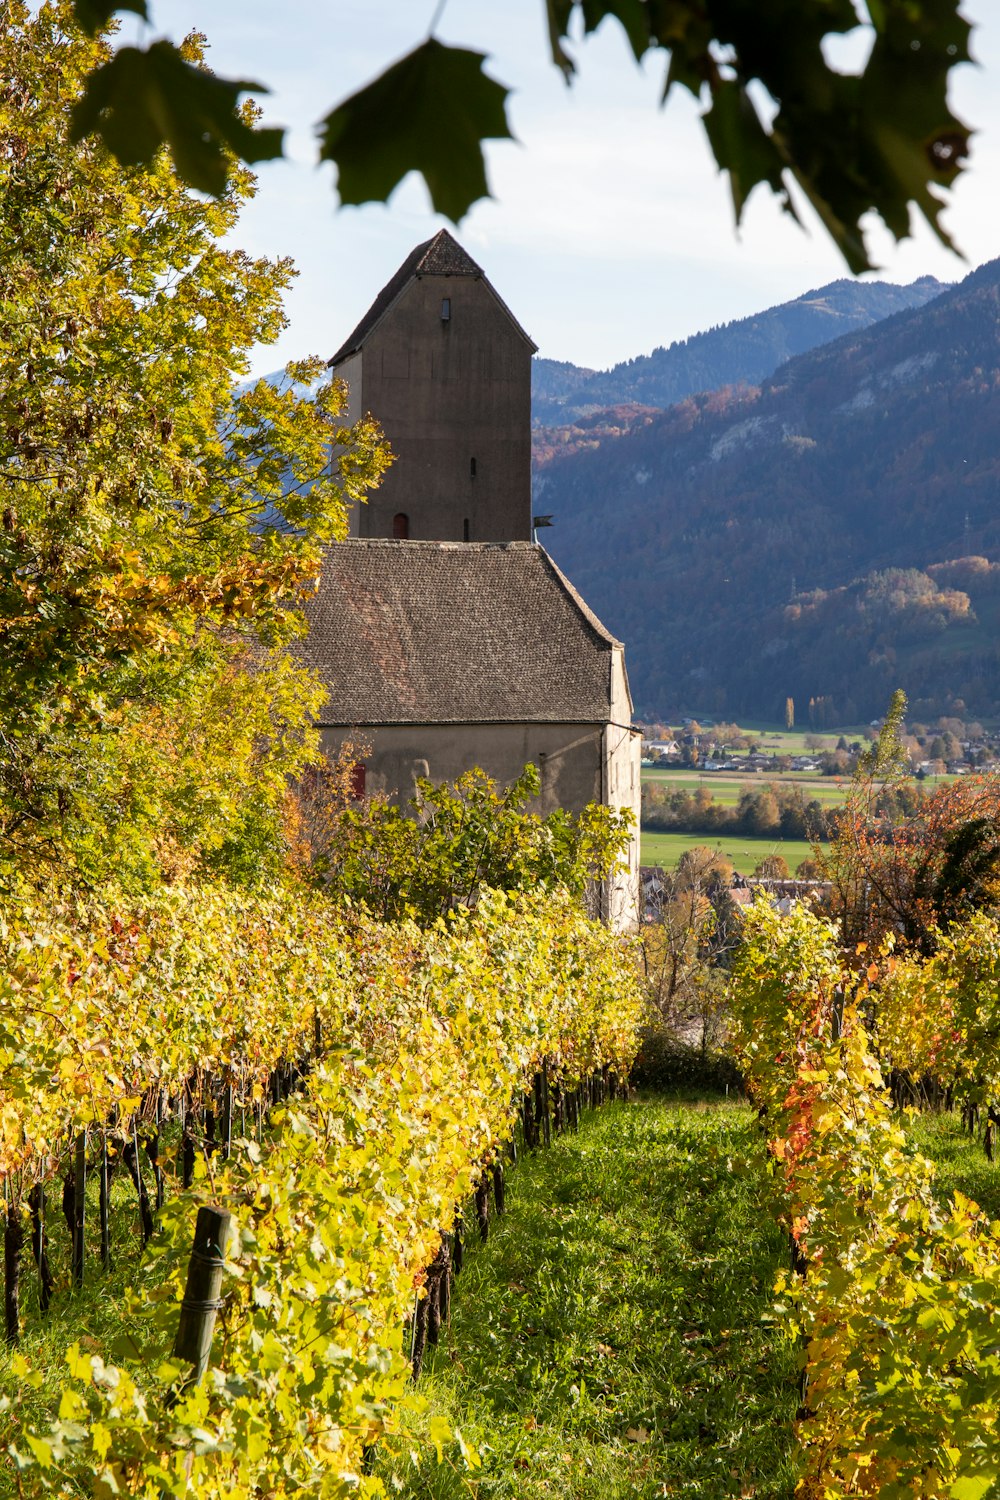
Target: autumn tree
{"points": [[911, 867], [687, 945], [157, 521]]}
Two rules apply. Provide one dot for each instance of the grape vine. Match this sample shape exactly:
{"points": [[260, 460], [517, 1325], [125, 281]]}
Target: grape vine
{"points": [[408, 1054]]}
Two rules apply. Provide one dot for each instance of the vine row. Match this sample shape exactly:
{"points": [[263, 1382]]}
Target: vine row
{"points": [[896, 1297], [410, 1057]]}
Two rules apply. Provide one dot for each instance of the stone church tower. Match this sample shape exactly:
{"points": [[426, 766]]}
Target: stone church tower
{"points": [[445, 366], [445, 636]]}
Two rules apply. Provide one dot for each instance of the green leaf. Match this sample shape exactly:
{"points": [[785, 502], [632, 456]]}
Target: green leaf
{"points": [[142, 100], [428, 113], [558, 14], [94, 15], [631, 14], [972, 1487], [741, 146]]}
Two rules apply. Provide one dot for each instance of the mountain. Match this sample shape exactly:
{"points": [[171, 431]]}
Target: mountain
{"points": [[827, 535], [742, 352]]}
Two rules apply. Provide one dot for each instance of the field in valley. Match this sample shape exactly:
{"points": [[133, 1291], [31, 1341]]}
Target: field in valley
{"points": [[745, 853]]}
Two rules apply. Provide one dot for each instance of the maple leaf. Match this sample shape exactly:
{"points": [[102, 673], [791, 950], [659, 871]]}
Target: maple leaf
{"points": [[428, 113], [142, 100]]}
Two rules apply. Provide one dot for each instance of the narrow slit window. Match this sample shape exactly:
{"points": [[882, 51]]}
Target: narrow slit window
{"points": [[472, 467], [445, 309], [465, 529]]}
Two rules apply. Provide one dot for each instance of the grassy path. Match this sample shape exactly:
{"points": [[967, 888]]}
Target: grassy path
{"points": [[960, 1160], [608, 1341]]}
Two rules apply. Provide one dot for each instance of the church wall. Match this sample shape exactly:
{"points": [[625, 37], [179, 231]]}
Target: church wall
{"points": [[622, 780], [569, 757], [454, 399]]}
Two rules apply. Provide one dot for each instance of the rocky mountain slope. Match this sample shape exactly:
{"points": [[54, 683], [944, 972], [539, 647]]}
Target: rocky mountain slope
{"points": [[742, 352], [827, 535]]}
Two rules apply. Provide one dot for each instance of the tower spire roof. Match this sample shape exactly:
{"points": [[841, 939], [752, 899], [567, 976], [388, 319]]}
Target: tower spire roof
{"points": [[440, 256]]}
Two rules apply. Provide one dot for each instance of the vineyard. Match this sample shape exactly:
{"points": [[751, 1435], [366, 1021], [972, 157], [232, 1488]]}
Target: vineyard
{"points": [[349, 1096], [340, 1090], [894, 1294]]}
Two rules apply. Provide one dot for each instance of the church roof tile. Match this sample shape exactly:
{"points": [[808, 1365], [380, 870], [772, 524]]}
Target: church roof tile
{"points": [[448, 633]]}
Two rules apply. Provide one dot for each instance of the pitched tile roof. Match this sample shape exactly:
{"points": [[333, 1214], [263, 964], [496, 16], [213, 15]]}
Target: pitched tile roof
{"points": [[440, 256], [454, 633]]}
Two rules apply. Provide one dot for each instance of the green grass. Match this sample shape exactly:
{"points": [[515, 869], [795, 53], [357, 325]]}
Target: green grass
{"points": [[793, 741], [95, 1315], [610, 1342], [728, 789], [744, 852], [960, 1160]]}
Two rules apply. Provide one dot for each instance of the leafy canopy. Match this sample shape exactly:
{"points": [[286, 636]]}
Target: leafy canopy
{"points": [[455, 840], [912, 874], [154, 518], [882, 139]]}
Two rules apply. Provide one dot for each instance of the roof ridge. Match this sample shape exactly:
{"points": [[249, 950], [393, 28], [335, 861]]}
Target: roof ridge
{"points": [[444, 256], [441, 544]]}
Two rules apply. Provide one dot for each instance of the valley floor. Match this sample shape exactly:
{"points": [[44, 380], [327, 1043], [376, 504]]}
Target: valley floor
{"points": [[744, 852]]}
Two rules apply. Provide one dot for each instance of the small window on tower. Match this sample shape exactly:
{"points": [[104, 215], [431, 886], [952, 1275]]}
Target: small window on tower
{"points": [[445, 309], [401, 526], [358, 777], [472, 467], [465, 529]]}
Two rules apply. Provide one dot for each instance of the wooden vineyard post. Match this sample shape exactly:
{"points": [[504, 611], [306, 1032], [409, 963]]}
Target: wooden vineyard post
{"points": [[227, 1120], [201, 1294], [36, 1202], [539, 1123], [482, 1200], [105, 1205], [499, 1187], [133, 1162], [79, 1206], [528, 1122], [152, 1146], [13, 1244]]}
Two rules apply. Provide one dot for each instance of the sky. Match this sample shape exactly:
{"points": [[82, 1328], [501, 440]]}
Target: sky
{"points": [[609, 231]]}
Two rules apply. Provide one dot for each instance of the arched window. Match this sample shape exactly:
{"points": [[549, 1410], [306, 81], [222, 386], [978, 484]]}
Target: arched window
{"points": [[401, 526]]}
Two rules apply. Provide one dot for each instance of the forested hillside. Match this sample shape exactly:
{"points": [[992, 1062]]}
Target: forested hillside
{"points": [[742, 352], [827, 536]]}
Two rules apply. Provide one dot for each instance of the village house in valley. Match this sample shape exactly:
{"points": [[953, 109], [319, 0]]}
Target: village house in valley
{"points": [[447, 637]]}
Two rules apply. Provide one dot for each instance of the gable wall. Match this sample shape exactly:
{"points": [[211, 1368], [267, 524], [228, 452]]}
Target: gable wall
{"points": [[448, 392], [579, 763]]}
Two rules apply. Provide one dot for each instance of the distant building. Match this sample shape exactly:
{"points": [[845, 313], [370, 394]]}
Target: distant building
{"points": [[446, 656], [447, 638]]}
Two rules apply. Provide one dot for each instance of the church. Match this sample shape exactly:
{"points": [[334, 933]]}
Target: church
{"points": [[446, 635]]}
